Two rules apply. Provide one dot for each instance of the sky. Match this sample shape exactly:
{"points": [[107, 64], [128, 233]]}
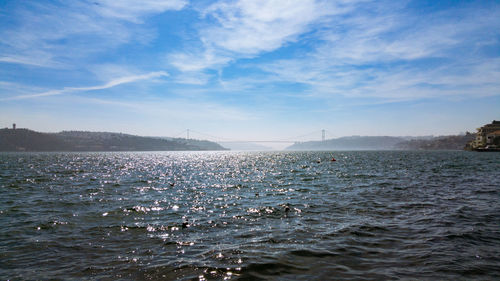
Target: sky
{"points": [[250, 69]]}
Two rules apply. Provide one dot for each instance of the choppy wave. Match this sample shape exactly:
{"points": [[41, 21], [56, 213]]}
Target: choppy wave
{"points": [[250, 216]]}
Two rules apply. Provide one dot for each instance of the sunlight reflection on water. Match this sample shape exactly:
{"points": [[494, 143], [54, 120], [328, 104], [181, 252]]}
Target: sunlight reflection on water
{"points": [[226, 215]]}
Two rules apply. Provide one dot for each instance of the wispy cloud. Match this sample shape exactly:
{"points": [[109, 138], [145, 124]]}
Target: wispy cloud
{"points": [[246, 28], [395, 55], [34, 58], [134, 10], [362, 48], [193, 62], [249, 27], [110, 84], [62, 34]]}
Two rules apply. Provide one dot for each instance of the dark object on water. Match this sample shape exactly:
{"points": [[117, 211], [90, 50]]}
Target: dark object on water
{"points": [[286, 207]]}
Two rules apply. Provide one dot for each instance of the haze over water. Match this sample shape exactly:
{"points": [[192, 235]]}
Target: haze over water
{"points": [[250, 216]]}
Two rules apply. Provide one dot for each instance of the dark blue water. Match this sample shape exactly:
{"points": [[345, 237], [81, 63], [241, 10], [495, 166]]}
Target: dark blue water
{"points": [[250, 216]]}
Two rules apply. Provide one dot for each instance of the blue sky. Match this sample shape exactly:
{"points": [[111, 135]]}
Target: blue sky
{"points": [[250, 69]]}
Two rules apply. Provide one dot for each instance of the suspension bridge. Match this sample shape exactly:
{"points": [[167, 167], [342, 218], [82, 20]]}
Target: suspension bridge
{"points": [[311, 136]]}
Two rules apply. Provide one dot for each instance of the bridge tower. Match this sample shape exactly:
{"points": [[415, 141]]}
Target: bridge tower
{"points": [[323, 135]]}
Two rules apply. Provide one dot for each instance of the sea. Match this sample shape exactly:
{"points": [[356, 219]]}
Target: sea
{"points": [[369, 215]]}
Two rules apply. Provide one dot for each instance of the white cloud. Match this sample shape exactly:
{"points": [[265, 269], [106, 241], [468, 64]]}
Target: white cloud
{"points": [[246, 28], [250, 26], [196, 61], [34, 58], [109, 84], [394, 56], [110, 71], [133, 10], [56, 35]]}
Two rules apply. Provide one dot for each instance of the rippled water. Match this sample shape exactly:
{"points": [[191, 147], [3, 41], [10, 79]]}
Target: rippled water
{"points": [[250, 216]]}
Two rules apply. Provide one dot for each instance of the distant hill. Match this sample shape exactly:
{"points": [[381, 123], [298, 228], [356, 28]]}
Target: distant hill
{"points": [[350, 143], [457, 142], [201, 144], [28, 140]]}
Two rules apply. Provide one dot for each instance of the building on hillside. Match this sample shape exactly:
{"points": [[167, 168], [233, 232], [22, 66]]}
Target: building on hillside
{"points": [[493, 139], [487, 136]]}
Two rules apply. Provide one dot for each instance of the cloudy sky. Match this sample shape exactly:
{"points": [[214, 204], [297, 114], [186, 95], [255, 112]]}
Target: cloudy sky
{"points": [[250, 69]]}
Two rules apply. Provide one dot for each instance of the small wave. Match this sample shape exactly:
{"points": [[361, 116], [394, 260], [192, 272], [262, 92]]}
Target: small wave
{"points": [[308, 253], [262, 271]]}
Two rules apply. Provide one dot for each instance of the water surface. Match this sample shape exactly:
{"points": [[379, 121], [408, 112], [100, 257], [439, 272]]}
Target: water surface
{"points": [[250, 216]]}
